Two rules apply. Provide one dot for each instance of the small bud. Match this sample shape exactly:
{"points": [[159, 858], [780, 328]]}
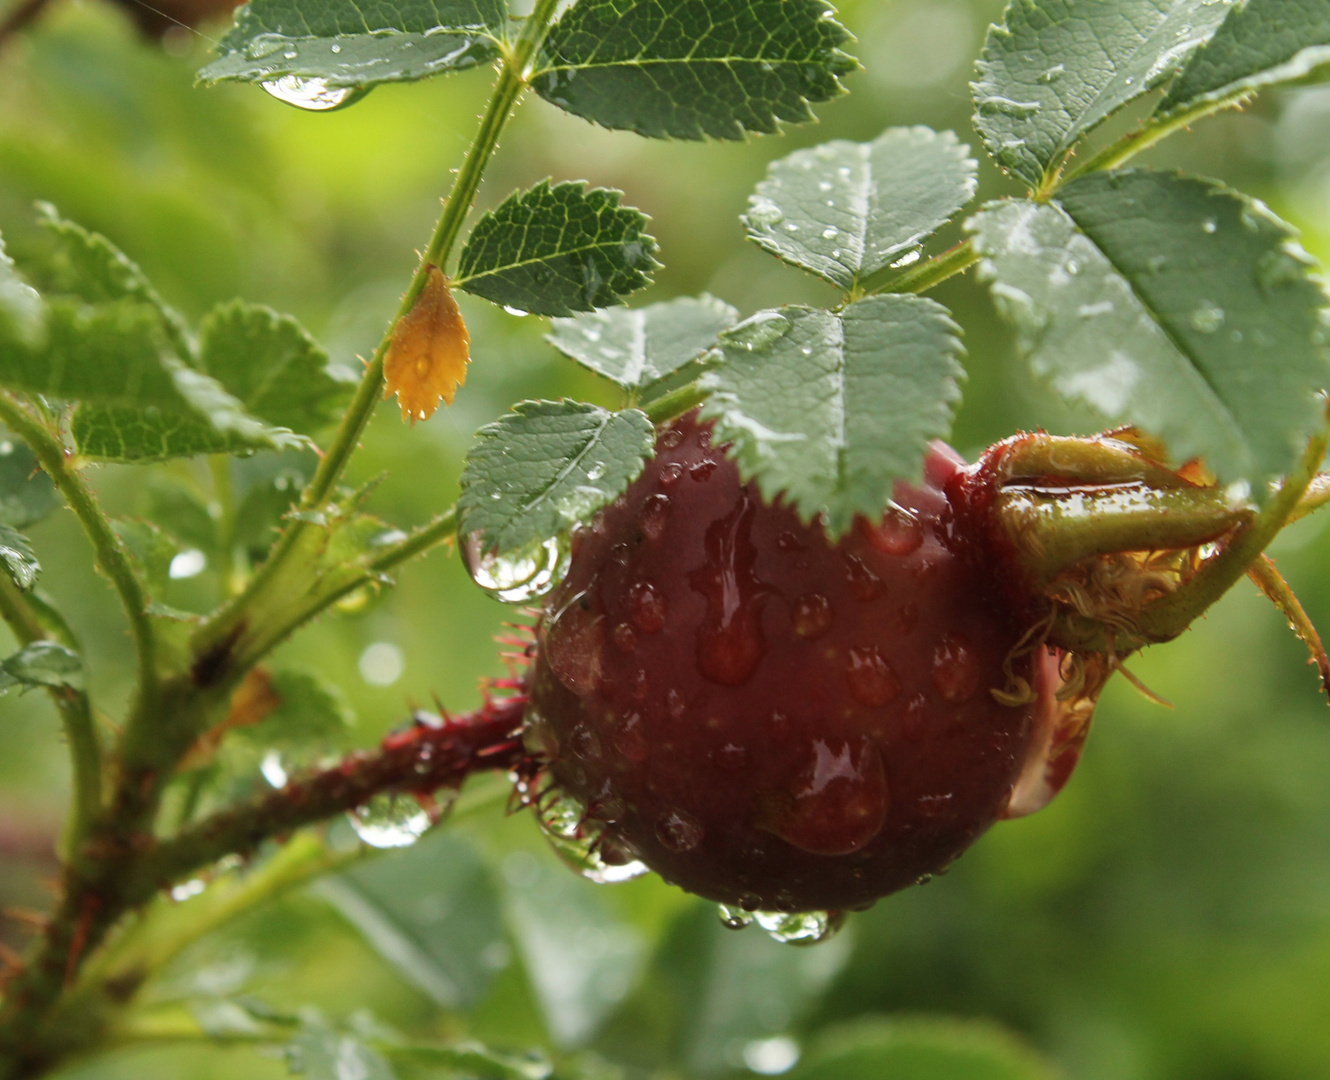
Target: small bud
{"points": [[429, 351]]}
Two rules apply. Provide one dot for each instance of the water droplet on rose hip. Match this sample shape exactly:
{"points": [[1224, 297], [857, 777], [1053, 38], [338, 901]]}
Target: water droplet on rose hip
{"points": [[390, 820], [836, 805], [735, 918], [575, 646], [800, 927], [679, 832], [646, 607], [655, 511], [955, 669], [898, 533], [811, 615], [625, 638], [871, 680], [729, 642], [864, 584], [671, 474], [630, 739]]}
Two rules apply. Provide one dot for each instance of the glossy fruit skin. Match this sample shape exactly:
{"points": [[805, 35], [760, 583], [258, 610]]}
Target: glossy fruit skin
{"points": [[769, 721]]}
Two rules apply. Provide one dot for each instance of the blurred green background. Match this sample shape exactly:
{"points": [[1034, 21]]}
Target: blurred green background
{"points": [[1167, 917]]}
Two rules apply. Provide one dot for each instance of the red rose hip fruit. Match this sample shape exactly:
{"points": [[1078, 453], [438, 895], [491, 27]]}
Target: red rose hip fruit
{"points": [[771, 721]]}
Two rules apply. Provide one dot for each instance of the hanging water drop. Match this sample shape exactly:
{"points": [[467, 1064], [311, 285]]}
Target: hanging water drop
{"points": [[516, 577], [390, 821], [735, 918], [312, 93], [800, 927]]}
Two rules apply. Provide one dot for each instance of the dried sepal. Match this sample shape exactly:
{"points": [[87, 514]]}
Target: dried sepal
{"points": [[429, 351]]}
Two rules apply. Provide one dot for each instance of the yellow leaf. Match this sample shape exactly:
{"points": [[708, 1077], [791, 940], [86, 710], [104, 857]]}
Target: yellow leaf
{"points": [[429, 351]]}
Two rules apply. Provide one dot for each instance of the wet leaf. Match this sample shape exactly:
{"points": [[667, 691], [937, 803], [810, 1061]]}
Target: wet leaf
{"points": [[558, 249], [22, 319], [26, 493], [694, 69], [354, 43], [1261, 43], [638, 347], [150, 550], [43, 663], [845, 210], [320, 1051], [17, 558], [429, 351], [830, 410], [1055, 69], [548, 466], [1173, 304]]}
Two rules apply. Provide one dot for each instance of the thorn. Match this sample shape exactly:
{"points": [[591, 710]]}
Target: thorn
{"points": [[1278, 592], [1144, 690]]}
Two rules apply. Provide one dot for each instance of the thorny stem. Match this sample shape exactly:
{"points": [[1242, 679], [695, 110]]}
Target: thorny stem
{"points": [[508, 90]]}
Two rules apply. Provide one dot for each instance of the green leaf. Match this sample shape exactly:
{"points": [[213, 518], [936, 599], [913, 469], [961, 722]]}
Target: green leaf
{"points": [[43, 663], [26, 493], [919, 1048], [470, 1059], [1171, 303], [321, 1052], [546, 467], [87, 265], [273, 367], [22, 317], [1261, 43], [830, 410], [557, 250], [845, 210], [1056, 69], [637, 347], [356, 43], [150, 550], [553, 914], [311, 708], [267, 487], [17, 558], [432, 912], [177, 505], [693, 69]]}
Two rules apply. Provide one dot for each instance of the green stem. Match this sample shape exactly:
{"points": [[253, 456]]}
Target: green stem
{"points": [[508, 90], [923, 277], [1316, 497], [1172, 614], [1142, 138], [112, 558], [85, 751], [675, 403], [219, 465]]}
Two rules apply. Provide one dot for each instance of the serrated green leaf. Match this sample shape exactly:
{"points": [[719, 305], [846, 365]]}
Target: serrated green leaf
{"points": [[1171, 303], [1056, 69], [1261, 43], [920, 1048], [845, 210], [432, 911], [642, 346], [17, 558], [150, 550], [87, 265], [273, 367], [309, 708], [43, 663], [694, 69], [830, 410], [22, 315], [26, 493], [557, 250], [321, 1052], [356, 43], [547, 466]]}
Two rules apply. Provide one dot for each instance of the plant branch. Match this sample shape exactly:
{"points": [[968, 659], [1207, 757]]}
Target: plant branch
{"points": [[416, 762]]}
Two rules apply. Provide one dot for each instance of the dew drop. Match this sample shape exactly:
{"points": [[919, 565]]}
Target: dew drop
{"points": [[830, 233], [955, 669], [630, 739], [335, 48], [811, 615], [836, 805], [517, 577], [732, 758], [575, 647], [730, 644], [1209, 225], [671, 474], [908, 259], [899, 532], [1052, 75], [1207, 318], [701, 472], [864, 584], [800, 927], [311, 93], [670, 438], [273, 770], [584, 743], [625, 638], [871, 680], [646, 607], [734, 917], [582, 843], [679, 832], [654, 514], [390, 820]]}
